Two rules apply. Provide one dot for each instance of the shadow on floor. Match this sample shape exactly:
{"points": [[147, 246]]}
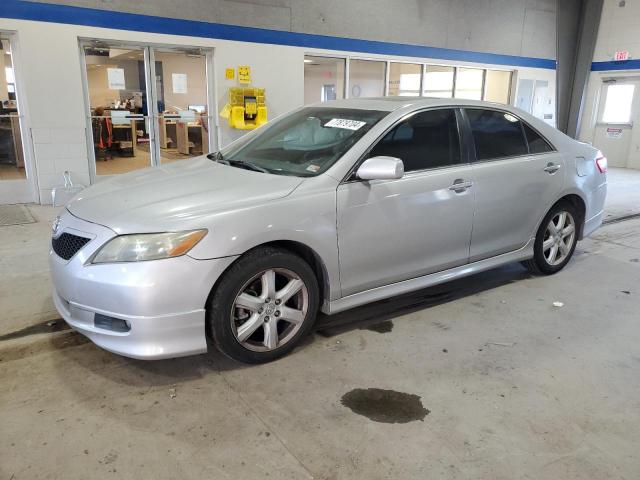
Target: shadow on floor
{"points": [[374, 316], [380, 312]]}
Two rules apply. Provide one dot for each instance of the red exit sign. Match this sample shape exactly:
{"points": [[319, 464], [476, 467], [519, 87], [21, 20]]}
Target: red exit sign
{"points": [[621, 55]]}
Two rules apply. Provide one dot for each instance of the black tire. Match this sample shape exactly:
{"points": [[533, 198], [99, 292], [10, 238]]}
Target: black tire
{"points": [[221, 304], [539, 264]]}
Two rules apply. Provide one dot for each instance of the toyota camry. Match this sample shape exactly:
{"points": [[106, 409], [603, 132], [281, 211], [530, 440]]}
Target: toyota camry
{"points": [[324, 209]]}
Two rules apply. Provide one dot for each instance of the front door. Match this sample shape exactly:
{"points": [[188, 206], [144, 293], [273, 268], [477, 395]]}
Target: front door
{"points": [[146, 106], [516, 174], [394, 230], [17, 184], [619, 105]]}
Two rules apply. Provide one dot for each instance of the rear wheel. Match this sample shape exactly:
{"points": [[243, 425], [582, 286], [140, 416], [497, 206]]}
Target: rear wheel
{"points": [[555, 241], [263, 306]]}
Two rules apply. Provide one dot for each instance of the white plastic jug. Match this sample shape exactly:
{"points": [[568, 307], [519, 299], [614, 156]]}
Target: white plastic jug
{"points": [[62, 194]]}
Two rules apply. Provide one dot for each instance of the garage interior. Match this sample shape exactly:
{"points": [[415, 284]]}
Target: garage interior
{"points": [[501, 375]]}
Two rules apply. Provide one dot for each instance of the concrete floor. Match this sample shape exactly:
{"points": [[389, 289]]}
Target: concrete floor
{"points": [[623, 193], [515, 387]]}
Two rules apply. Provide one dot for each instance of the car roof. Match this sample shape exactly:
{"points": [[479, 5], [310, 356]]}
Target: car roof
{"points": [[390, 104]]}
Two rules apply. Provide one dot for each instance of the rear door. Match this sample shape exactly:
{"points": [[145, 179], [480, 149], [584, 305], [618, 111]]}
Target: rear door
{"points": [[394, 230], [620, 104], [516, 174]]}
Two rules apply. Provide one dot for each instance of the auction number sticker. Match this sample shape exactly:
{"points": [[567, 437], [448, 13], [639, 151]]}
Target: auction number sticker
{"points": [[344, 123]]}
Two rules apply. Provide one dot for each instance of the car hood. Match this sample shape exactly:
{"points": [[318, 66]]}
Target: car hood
{"points": [[175, 196]]}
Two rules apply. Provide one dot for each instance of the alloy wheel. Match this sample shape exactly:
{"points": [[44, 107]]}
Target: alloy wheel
{"points": [[269, 309], [558, 238]]}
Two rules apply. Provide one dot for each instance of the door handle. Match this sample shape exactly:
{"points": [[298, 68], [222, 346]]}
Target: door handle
{"points": [[460, 185], [552, 168]]}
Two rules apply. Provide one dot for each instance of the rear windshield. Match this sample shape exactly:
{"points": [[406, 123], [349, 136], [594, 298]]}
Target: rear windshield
{"points": [[305, 143]]}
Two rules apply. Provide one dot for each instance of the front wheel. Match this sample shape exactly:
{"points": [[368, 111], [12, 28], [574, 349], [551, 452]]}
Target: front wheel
{"points": [[555, 241], [263, 306]]}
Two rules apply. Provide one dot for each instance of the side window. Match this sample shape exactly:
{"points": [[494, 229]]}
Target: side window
{"points": [[426, 140], [537, 144], [496, 134]]}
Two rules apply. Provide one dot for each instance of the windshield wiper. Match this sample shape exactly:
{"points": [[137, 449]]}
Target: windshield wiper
{"points": [[247, 165], [215, 156], [218, 157]]}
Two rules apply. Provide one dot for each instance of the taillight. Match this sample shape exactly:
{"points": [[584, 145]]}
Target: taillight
{"points": [[601, 162]]}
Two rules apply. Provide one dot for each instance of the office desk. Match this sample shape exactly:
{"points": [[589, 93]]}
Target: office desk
{"points": [[192, 138], [168, 133], [123, 143]]}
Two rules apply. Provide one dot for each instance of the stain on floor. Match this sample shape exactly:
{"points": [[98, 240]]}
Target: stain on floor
{"points": [[385, 406], [382, 327]]}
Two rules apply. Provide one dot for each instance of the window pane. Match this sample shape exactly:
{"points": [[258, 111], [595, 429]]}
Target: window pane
{"points": [[496, 86], [537, 144], [617, 107], [366, 78], [404, 79], [496, 134], [469, 83], [426, 140], [438, 82], [323, 79]]}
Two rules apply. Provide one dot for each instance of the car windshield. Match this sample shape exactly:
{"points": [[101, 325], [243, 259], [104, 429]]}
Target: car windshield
{"points": [[305, 143]]}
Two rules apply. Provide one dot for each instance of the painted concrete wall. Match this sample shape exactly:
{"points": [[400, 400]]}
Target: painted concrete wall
{"points": [[619, 30], [51, 71], [513, 27]]}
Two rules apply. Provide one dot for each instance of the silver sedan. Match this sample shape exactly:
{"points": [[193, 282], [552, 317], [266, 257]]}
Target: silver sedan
{"points": [[326, 208]]}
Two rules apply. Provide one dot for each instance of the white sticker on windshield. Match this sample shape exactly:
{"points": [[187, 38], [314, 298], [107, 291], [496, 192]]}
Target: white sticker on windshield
{"points": [[344, 123]]}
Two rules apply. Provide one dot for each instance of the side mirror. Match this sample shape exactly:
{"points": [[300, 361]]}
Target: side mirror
{"points": [[381, 168]]}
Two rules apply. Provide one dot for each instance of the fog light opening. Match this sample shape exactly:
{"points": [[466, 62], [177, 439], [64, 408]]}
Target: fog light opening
{"points": [[109, 323]]}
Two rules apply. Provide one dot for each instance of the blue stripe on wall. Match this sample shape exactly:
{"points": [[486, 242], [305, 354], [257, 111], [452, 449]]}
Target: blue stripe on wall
{"points": [[44, 12], [615, 65]]}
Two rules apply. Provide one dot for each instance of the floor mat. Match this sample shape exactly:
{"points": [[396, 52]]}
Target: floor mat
{"points": [[15, 215]]}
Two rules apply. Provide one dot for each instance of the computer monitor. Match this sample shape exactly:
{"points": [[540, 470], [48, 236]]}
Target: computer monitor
{"points": [[198, 108]]}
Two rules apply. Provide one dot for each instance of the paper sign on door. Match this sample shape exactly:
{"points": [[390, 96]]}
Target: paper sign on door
{"points": [[179, 81], [115, 78]]}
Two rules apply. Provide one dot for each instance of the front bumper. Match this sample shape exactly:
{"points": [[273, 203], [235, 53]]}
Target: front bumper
{"points": [[162, 301]]}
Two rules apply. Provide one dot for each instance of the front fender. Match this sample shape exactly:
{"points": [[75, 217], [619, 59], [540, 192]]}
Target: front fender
{"points": [[310, 220]]}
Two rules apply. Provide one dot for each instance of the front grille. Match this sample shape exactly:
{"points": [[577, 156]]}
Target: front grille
{"points": [[67, 245]]}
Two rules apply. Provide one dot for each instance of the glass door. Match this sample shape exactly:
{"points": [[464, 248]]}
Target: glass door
{"points": [[183, 117], [117, 88], [619, 106], [16, 184], [147, 106]]}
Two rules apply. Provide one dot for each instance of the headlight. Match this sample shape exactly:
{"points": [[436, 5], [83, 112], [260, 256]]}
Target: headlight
{"points": [[148, 246]]}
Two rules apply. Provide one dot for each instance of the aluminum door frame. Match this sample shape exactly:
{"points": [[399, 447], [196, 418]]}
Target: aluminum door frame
{"points": [[32, 192], [152, 98]]}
